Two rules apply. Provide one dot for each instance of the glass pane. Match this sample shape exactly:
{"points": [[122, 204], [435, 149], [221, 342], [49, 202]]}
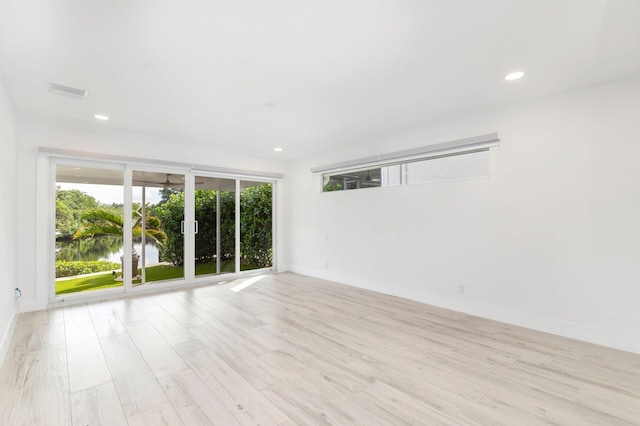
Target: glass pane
{"points": [[256, 225], [215, 204], [89, 212], [392, 175], [442, 168], [158, 241], [472, 165], [369, 178]]}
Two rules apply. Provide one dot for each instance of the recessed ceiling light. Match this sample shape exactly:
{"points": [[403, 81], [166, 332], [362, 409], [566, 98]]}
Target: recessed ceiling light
{"points": [[514, 75], [277, 149], [270, 104], [101, 117]]}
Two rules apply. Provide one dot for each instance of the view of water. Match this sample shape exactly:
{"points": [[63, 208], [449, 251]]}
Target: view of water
{"points": [[152, 254], [104, 248]]}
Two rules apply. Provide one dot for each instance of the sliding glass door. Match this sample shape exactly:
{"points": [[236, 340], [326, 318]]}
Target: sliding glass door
{"points": [[219, 228], [215, 212], [88, 227], [256, 225], [163, 225]]}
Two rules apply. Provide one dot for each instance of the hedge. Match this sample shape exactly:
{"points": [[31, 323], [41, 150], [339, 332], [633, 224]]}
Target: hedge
{"points": [[68, 269], [255, 226]]}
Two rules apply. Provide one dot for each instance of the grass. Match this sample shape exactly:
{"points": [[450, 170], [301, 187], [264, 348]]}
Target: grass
{"points": [[153, 273], [88, 283]]}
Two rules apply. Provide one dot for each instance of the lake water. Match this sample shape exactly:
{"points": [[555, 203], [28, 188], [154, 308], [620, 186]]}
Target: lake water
{"points": [[152, 255], [104, 248]]}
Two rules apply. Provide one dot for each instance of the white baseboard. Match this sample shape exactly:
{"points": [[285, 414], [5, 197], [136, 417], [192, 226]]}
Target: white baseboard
{"points": [[584, 332], [6, 337], [283, 268]]}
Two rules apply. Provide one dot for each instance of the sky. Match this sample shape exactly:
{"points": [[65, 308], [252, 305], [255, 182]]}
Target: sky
{"points": [[109, 194]]}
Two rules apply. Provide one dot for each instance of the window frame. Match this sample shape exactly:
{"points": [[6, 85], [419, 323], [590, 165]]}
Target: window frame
{"points": [[54, 157]]}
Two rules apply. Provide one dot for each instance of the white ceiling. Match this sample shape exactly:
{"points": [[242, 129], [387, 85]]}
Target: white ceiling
{"points": [[339, 71]]}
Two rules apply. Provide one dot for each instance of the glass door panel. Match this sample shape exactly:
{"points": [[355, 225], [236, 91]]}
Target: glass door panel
{"points": [[158, 239], [256, 225], [88, 227], [215, 230]]}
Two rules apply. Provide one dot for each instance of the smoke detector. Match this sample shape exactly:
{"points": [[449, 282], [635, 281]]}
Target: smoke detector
{"points": [[61, 89]]}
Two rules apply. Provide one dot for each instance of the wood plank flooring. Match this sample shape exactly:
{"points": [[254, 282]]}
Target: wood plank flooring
{"points": [[290, 349]]}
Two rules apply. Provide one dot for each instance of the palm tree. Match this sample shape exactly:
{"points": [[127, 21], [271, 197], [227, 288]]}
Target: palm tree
{"points": [[102, 222]]}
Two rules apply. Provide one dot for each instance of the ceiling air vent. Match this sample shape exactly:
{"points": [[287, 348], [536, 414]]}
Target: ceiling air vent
{"points": [[61, 89]]}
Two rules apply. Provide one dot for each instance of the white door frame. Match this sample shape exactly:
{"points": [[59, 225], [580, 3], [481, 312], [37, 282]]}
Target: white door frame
{"points": [[189, 278]]}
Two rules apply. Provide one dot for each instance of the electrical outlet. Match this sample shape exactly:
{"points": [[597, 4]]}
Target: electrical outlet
{"points": [[460, 289]]}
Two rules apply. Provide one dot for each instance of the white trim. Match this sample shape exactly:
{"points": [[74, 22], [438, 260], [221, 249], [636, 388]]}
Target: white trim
{"points": [[237, 173], [84, 296], [127, 234], [274, 227], [51, 235], [415, 154], [236, 249], [189, 237], [218, 228], [153, 287], [196, 168]]}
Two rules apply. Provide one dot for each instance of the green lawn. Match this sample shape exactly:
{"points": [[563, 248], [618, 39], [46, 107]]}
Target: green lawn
{"points": [[87, 283], [153, 273]]}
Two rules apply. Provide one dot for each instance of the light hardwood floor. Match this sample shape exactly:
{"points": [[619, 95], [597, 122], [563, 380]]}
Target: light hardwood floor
{"points": [[292, 350]]}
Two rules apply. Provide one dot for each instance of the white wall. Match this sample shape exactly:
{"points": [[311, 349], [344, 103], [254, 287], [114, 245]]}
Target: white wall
{"points": [[33, 197], [551, 241], [8, 197]]}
